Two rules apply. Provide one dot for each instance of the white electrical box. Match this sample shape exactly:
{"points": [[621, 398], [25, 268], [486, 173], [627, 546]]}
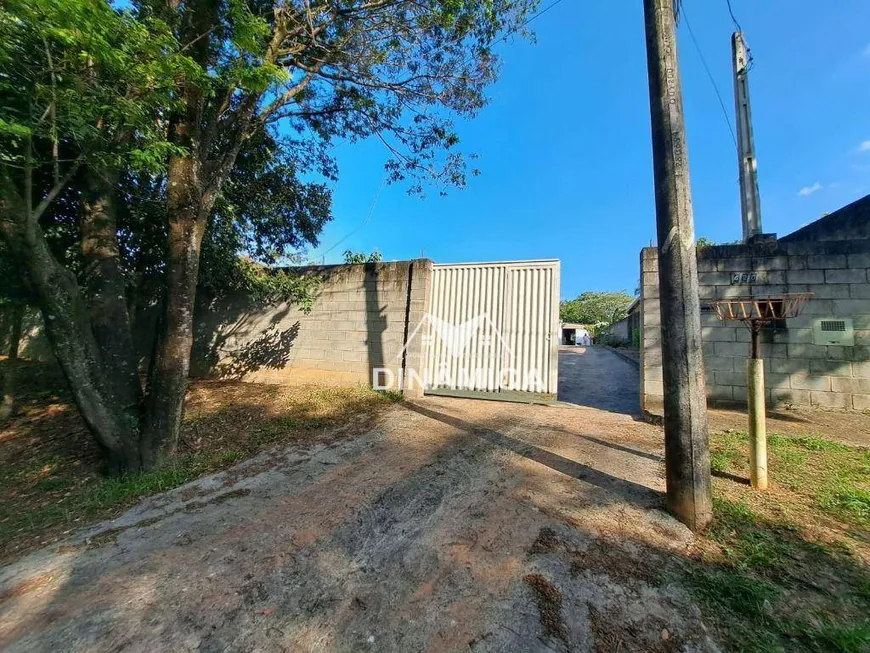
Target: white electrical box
{"points": [[833, 331]]}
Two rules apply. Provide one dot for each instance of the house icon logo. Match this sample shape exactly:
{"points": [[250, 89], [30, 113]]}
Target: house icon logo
{"points": [[455, 338]]}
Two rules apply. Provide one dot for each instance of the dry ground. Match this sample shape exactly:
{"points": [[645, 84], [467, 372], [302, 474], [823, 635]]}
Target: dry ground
{"points": [[50, 480], [441, 525], [849, 427], [451, 525]]}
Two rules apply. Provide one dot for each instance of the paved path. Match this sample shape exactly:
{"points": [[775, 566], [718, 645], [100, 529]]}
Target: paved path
{"points": [[454, 525], [598, 378]]}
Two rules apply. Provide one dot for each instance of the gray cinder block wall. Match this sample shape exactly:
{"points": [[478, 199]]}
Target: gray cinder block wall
{"points": [[360, 321], [358, 324], [796, 370]]}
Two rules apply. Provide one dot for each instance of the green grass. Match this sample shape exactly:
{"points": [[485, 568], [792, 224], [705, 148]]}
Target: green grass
{"points": [[392, 395], [726, 454], [772, 585], [107, 494], [827, 635], [836, 476], [842, 497]]}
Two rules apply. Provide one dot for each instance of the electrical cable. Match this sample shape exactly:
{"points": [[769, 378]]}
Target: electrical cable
{"points": [[733, 18], [750, 61], [383, 182], [365, 222], [519, 27], [710, 76]]}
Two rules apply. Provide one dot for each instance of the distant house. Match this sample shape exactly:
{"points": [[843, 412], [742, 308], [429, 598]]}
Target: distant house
{"points": [[575, 334]]}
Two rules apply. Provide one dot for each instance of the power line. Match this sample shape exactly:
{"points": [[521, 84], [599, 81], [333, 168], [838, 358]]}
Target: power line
{"points": [[733, 19], [383, 182], [519, 27], [749, 60], [365, 222], [710, 75]]}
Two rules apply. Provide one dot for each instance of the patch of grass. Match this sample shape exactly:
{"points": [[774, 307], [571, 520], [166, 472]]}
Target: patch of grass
{"points": [[832, 475], [811, 443], [827, 635], [101, 497], [786, 569], [52, 483], [726, 451], [720, 461], [392, 395], [788, 455], [750, 544], [738, 593], [847, 500], [741, 602]]}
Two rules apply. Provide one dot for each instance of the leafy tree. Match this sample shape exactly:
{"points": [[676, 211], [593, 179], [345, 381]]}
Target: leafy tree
{"points": [[83, 87], [123, 141], [390, 69], [351, 257], [705, 242], [596, 309]]}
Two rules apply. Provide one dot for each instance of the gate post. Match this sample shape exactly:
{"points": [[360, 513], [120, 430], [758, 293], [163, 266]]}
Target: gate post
{"points": [[416, 308]]}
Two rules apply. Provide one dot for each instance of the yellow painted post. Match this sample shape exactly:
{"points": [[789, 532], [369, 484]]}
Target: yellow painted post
{"points": [[757, 427]]}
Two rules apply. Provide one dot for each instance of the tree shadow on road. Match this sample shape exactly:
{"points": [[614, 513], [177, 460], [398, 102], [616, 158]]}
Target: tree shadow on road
{"points": [[633, 492]]}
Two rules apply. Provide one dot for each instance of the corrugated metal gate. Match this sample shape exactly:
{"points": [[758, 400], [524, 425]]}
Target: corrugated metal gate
{"points": [[493, 328]]}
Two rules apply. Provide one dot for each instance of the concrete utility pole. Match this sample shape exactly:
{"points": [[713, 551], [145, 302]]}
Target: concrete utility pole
{"points": [[687, 455], [750, 202]]}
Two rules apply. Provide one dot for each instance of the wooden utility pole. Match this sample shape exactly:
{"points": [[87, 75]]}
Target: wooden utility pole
{"points": [[687, 455]]}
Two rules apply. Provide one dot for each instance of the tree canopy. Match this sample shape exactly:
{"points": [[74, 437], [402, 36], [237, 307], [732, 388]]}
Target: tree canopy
{"points": [[596, 309], [151, 150]]}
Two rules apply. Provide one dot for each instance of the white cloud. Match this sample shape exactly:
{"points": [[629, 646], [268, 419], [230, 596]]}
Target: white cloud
{"points": [[864, 147], [809, 190]]}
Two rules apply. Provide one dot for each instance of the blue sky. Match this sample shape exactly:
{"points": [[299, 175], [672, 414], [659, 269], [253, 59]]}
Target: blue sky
{"points": [[565, 150]]}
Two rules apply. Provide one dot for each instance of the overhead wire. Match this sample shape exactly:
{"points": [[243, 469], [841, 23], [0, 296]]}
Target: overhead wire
{"points": [[750, 60], [733, 18], [365, 222], [384, 180], [525, 23], [709, 75]]}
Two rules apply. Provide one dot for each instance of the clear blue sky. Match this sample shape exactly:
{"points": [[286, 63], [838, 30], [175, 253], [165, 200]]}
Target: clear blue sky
{"points": [[565, 148]]}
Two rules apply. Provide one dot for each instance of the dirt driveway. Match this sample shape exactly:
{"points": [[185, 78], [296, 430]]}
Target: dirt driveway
{"points": [[453, 525]]}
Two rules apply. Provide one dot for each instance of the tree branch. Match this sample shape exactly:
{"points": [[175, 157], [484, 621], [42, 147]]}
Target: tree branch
{"points": [[53, 112], [288, 95], [55, 190]]}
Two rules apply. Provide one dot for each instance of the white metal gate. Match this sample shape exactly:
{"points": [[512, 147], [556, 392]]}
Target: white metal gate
{"points": [[494, 328]]}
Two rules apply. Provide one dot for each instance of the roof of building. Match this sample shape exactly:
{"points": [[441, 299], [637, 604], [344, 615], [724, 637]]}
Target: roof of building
{"points": [[846, 223]]}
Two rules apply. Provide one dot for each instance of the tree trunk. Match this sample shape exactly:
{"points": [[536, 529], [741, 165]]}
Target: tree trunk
{"points": [[188, 213], [7, 408], [193, 184], [68, 329], [105, 289]]}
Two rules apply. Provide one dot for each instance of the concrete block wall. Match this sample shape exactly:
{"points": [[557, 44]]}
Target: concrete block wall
{"points": [[359, 323], [796, 370], [618, 333]]}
